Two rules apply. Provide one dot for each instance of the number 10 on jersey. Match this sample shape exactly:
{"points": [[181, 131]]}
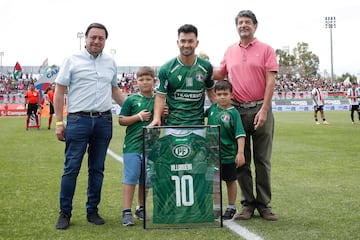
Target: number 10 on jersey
{"points": [[184, 189]]}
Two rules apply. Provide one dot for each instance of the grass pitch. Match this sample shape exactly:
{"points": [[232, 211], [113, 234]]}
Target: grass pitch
{"points": [[315, 178]]}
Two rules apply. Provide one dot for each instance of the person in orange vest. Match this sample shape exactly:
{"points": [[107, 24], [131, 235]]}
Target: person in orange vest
{"points": [[32, 104], [50, 96]]}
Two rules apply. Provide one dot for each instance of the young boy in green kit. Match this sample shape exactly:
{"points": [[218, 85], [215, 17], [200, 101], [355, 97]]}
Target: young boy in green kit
{"points": [[232, 140], [136, 112]]}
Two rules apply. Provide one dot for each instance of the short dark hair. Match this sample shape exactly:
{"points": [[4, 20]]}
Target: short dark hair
{"points": [[188, 28], [246, 13], [145, 71], [223, 85], [96, 25]]}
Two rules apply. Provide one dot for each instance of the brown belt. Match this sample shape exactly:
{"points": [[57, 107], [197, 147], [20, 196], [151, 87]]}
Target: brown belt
{"points": [[247, 104]]}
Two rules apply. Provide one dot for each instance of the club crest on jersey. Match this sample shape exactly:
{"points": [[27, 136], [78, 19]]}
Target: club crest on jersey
{"points": [[199, 77], [225, 117], [181, 151]]}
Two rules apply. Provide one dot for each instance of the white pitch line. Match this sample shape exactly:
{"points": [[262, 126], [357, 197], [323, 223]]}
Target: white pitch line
{"points": [[236, 228], [241, 231], [114, 155]]}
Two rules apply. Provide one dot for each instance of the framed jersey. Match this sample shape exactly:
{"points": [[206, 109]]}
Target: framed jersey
{"points": [[183, 169]]}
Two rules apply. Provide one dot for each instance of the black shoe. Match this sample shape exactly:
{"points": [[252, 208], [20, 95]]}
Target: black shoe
{"points": [[63, 221], [95, 218], [229, 213]]}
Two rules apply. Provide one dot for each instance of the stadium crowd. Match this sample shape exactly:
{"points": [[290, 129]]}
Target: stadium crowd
{"points": [[13, 90], [306, 85]]}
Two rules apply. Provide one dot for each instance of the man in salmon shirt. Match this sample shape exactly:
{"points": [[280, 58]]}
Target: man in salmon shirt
{"points": [[251, 66]]}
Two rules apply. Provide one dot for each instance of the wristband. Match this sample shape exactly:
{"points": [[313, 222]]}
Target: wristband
{"points": [[60, 123], [140, 117]]}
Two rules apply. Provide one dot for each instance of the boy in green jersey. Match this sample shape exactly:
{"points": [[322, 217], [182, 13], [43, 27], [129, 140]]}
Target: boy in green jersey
{"points": [[136, 112], [232, 140]]}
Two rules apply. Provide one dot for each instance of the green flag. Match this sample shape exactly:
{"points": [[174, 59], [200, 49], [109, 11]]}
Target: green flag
{"points": [[17, 70]]}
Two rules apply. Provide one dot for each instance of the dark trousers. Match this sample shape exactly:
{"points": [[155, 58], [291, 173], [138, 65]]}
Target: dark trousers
{"points": [[258, 146]]}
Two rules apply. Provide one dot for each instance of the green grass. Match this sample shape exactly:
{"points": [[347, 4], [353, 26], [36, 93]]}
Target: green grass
{"points": [[315, 178]]}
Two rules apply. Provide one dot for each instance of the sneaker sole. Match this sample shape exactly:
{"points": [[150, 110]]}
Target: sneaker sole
{"points": [[142, 219], [137, 217], [229, 218], [128, 224]]}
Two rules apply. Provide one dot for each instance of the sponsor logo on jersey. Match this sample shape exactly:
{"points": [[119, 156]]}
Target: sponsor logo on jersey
{"points": [[195, 95]]}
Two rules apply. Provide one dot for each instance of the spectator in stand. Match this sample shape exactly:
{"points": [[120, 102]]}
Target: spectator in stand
{"points": [[318, 101], [32, 104], [353, 94]]}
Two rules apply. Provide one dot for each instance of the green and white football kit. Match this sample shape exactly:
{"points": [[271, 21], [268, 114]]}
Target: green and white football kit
{"points": [[184, 87], [182, 168], [231, 127], [134, 134]]}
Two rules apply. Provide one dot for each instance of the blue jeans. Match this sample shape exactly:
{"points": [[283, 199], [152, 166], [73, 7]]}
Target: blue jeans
{"points": [[85, 133]]}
